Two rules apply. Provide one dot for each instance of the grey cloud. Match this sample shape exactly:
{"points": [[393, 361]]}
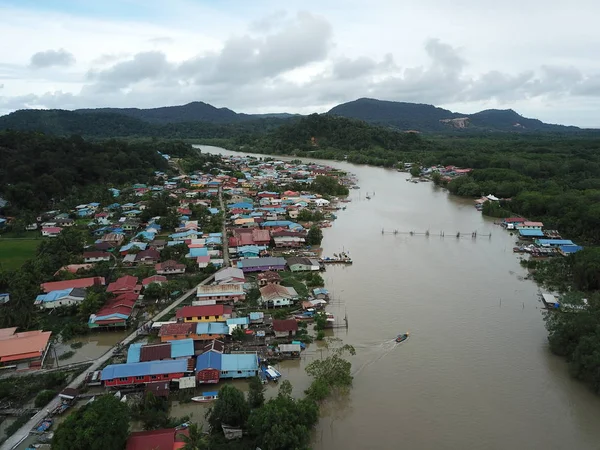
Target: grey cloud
{"points": [[304, 40], [50, 58], [269, 22], [108, 58], [143, 66], [247, 74]]}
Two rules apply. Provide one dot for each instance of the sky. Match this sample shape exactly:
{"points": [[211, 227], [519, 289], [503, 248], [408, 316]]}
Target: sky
{"points": [[536, 57]]}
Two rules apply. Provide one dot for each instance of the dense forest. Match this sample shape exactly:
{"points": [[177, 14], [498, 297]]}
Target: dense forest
{"points": [[40, 171], [108, 125]]}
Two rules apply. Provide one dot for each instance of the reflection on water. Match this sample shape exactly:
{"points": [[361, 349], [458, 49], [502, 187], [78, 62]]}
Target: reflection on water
{"points": [[476, 372], [95, 344]]}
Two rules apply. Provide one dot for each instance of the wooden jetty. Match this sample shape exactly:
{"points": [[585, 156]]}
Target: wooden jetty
{"points": [[457, 235]]}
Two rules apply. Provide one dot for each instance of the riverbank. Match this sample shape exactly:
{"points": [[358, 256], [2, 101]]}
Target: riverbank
{"points": [[478, 353]]}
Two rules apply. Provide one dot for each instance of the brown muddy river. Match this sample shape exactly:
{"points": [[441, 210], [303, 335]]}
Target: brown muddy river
{"points": [[476, 372]]}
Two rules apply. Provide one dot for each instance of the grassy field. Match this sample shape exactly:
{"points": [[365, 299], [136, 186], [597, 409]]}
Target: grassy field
{"points": [[14, 252]]}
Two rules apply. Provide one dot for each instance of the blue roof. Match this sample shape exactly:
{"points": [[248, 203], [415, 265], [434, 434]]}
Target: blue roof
{"points": [[213, 240], [140, 245], [256, 315], [211, 328], [133, 353], [144, 368], [318, 291], [198, 251], [241, 205], [181, 348], [554, 242], [146, 235], [213, 210], [531, 233], [570, 248], [251, 248], [239, 361], [209, 360], [184, 234], [238, 321], [215, 234], [282, 223], [54, 295]]}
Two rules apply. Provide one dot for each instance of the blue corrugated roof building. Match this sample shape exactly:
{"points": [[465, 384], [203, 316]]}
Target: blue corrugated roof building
{"points": [[197, 251], [531, 233], [320, 291], [241, 205], [554, 242], [209, 360], [212, 328], [182, 348], [140, 245], [238, 321], [568, 249], [233, 364], [144, 368], [134, 353]]}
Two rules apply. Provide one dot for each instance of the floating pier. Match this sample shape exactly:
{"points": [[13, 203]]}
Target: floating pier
{"points": [[457, 235]]}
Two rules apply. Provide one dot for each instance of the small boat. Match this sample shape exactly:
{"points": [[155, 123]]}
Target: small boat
{"points": [[271, 373], [206, 397], [402, 337]]}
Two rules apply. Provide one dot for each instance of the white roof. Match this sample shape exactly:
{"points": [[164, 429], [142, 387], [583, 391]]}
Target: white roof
{"points": [[549, 298]]}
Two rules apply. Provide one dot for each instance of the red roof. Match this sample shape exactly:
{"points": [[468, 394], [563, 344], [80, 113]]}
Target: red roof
{"points": [[126, 283], [285, 325], [204, 310], [77, 283], [96, 255], [165, 439], [154, 279], [52, 229], [174, 329], [514, 220]]}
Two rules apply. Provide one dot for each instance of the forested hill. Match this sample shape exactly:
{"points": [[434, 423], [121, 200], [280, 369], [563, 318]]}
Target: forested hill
{"points": [[110, 125], [428, 118], [39, 171]]}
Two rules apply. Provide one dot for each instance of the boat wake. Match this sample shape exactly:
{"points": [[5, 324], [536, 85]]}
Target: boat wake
{"points": [[382, 350]]}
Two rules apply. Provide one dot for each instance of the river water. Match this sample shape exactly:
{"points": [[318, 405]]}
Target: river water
{"points": [[476, 372]]}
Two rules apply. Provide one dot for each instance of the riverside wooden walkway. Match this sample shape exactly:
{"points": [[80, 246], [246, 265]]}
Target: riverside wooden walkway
{"points": [[457, 235]]}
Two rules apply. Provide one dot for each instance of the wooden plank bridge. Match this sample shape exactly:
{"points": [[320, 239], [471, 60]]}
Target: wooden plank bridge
{"points": [[457, 235]]}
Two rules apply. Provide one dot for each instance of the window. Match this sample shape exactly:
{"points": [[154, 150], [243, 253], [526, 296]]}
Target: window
{"points": [[224, 372], [123, 379], [240, 372], [139, 378], [206, 317], [153, 377]]}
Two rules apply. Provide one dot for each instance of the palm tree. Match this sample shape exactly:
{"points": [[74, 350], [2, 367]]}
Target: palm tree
{"points": [[195, 439]]}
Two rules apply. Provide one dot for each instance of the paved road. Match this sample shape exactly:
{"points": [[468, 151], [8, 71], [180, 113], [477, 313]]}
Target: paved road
{"points": [[14, 440], [224, 230]]}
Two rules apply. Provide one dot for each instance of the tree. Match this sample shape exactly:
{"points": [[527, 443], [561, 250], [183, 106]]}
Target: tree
{"points": [[100, 425], [256, 393], [44, 397], [92, 302], [333, 371], [283, 423], [195, 439], [230, 408], [238, 334], [314, 236], [415, 170]]}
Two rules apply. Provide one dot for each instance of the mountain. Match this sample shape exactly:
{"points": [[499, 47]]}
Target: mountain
{"points": [[192, 112], [92, 124], [428, 118]]}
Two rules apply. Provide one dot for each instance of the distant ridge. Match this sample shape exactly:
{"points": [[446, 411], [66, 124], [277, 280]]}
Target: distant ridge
{"points": [[203, 119], [428, 118]]}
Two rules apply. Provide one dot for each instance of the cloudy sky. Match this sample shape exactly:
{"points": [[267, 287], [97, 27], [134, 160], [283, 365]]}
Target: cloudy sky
{"points": [[538, 57]]}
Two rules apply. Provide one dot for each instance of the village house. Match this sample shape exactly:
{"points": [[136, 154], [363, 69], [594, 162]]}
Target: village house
{"points": [[148, 256], [274, 295], [222, 293], [169, 267], [269, 277], [25, 350], [285, 328], [178, 349], [51, 231], [156, 279], [230, 275], [530, 226], [204, 313], [163, 439], [127, 283], [212, 366], [261, 264], [115, 239], [76, 283], [92, 257], [64, 297], [300, 264], [143, 372]]}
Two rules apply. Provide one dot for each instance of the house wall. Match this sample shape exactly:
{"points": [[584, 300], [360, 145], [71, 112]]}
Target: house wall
{"points": [[238, 373], [168, 272], [127, 381], [223, 298], [300, 268], [66, 301], [208, 376], [284, 333], [196, 319]]}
